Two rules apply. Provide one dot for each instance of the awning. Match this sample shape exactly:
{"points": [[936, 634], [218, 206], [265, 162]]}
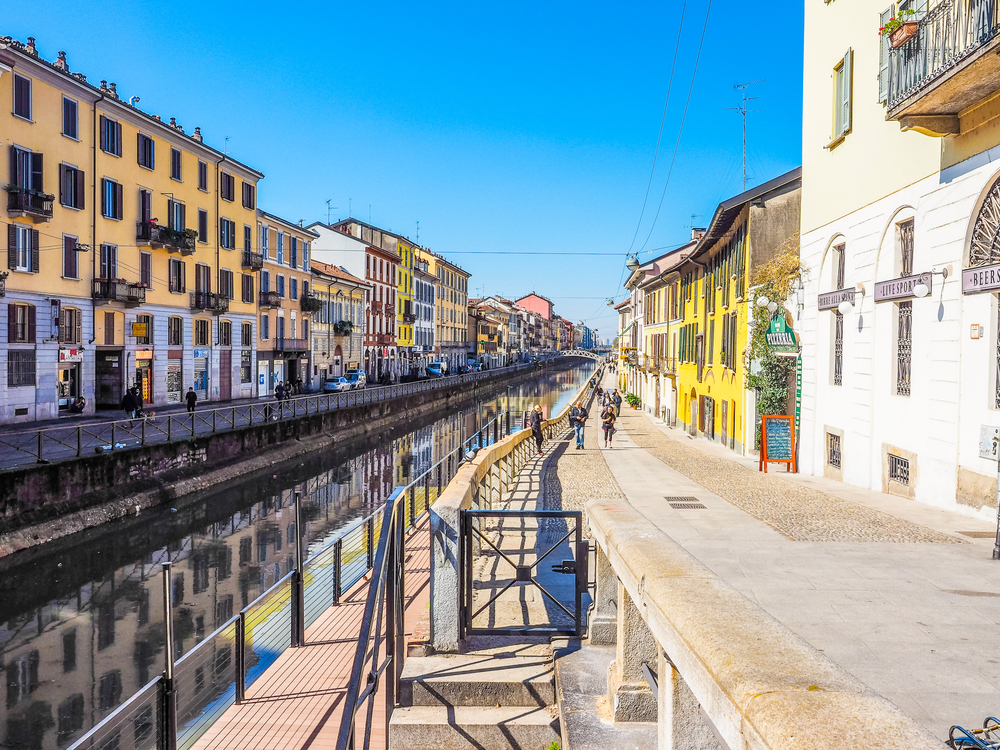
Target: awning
{"points": [[628, 327]]}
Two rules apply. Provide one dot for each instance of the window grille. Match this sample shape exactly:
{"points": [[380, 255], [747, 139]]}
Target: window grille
{"points": [[899, 469], [841, 264], [906, 247], [838, 350], [833, 449], [904, 347], [20, 367], [997, 388]]}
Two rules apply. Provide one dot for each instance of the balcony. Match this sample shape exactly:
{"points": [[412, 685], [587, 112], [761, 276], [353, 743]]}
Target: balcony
{"points": [[210, 302], [946, 68], [310, 304], [409, 317], [284, 344], [33, 204], [376, 308], [384, 339], [130, 293], [174, 240], [270, 299], [253, 261]]}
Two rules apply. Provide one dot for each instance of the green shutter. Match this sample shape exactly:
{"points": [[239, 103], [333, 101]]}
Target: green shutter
{"points": [[883, 61], [846, 95]]}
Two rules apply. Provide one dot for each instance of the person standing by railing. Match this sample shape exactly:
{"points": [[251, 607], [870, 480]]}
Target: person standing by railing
{"points": [[536, 428]]}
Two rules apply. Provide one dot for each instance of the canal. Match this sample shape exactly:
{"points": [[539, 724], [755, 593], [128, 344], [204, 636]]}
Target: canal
{"points": [[81, 618]]}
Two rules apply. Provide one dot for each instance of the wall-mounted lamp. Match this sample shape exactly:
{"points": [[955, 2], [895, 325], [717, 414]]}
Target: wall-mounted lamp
{"points": [[763, 301], [920, 289]]}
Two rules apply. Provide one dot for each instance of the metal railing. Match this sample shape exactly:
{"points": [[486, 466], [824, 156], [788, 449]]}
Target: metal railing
{"points": [[270, 299], [51, 444], [211, 301], [179, 240], [176, 709], [30, 202], [253, 261], [949, 32], [114, 290]]}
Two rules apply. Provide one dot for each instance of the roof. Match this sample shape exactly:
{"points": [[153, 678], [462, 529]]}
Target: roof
{"points": [[336, 272], [534, 294], [622, 305], [351, 220], [12, 48], [287, 223]]}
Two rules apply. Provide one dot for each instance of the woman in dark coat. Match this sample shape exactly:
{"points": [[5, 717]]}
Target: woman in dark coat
{"points": [[536, 428]]}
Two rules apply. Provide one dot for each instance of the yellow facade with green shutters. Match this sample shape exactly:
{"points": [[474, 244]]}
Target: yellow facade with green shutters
{"points": [[405, 307]]}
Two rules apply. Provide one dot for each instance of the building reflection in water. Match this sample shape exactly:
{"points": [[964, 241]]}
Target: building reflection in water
{"points": [[82, 630]]}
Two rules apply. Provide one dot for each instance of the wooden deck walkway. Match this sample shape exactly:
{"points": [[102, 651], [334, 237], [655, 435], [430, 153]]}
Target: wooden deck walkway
{"points": [[298, 702]]}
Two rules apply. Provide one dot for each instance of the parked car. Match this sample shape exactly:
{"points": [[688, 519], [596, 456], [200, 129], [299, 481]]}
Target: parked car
{"points": [[435, 370], [357, 379], [336, 385]]}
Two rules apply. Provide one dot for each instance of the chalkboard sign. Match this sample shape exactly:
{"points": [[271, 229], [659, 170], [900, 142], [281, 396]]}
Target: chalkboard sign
{"points": [[777, 444]]}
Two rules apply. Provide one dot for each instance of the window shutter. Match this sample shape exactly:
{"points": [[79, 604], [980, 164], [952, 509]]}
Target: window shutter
{"points": [[11, 246], [37, 174], [31, 324], [118, 200], [183, 276], [78, 317], [138, 149], [69, 255], [104, 133], [104, 197], [62, 185], [80, 189], [11, 323], [34, 250], [846, 95], [183, 225], [170, 213], [118, 138], [63, 328], [14, 162], [883, 62]]}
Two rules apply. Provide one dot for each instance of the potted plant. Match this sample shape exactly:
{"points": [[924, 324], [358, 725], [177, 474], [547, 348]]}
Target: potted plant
{"points": [[901, 28], [632, 400]]}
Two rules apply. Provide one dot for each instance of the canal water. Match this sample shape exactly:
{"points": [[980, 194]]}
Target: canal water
{"points": [[81, 619]]}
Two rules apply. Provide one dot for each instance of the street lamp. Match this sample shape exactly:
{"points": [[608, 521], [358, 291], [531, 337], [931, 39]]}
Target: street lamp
{"points": [[762, 301], [631, 263], [845, 307]]}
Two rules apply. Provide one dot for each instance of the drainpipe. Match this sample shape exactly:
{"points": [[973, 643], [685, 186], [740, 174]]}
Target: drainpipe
{"points": [[93, 246], [218, 284]]}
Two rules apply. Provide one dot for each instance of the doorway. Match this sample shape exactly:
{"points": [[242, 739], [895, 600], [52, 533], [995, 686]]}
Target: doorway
{"points": [[69, 385], [225, 374], [108, 391]]}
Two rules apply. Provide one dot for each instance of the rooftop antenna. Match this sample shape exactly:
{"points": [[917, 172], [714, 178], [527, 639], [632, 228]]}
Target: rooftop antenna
{"points": [[742, 109], [369, 213], [225, 148], [349, 208], [418, 232], [328, 209]]}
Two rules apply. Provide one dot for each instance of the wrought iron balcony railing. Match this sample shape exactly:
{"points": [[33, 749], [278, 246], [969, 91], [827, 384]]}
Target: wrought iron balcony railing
{"points": [[310, 304], [119, 290], [285, 344], [253, 261], [32, 203], [270, 299], [175, 240], [210, 301]]}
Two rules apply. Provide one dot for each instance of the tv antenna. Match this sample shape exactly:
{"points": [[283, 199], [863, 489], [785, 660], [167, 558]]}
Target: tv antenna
{"points": [[417, 240], [742, 109], [328, 209]]}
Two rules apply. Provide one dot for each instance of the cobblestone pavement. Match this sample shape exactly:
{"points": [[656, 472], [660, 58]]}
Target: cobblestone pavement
{"points": [[798, 513]]}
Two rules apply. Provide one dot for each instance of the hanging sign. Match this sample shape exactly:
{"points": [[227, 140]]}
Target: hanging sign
{"points": [[832, 300], [777, 441], [139, 330], [902, 288], [980, 279], [780, 337]]}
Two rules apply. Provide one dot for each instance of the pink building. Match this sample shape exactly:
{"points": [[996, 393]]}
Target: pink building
{"points": [[537, 304]]}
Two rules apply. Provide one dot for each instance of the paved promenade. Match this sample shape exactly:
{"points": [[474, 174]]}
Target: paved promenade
{"points": [[890, 589]]}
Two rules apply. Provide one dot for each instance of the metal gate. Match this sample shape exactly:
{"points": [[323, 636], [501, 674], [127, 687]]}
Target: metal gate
{"points": [[507, 556]]}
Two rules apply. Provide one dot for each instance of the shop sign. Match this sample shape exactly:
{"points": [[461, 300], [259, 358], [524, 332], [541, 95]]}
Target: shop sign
{"points": [[201, 353], [780, 337], [980, 279], [139, 330], [902, 288], [71, 355], [989, 442], [144, 353], [832, 300]]}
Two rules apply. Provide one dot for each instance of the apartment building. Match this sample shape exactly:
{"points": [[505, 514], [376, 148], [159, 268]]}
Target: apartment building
{"points": [[424, 302], [338, 326], [122, 231], [451, 334]]}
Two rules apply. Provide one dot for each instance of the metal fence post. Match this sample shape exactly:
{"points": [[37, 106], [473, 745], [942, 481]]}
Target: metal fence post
{"points": [[413, 504], [299, 580], [213, 419], [496, 430], [439, 478], [169, 697], [241, 663], [112, 436], [371, 541], [427, 490], [338, 552], [39, 446], [79, 441]]}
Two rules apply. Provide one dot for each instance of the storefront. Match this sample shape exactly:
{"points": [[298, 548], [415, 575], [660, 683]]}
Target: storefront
{"points": [[201, 359], [144, 374], [175, 376], [70, 362], [108, 367]]}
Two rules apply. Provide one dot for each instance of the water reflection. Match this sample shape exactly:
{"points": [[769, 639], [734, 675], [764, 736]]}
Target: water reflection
{"points": [[82, 618]]}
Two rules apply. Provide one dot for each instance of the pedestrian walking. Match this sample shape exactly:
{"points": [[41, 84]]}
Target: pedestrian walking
{"points": [[578, 418], [138, 404], [536, 428], [608, 418], [128, 403], [617, 398], [279, 391], [192, 399]]}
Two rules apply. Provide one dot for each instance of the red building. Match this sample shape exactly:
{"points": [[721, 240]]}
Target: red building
{"points": [[381, 271]]}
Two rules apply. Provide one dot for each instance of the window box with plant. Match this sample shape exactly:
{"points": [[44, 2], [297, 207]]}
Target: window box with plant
{"points": [[343, 328], [901, 28]]}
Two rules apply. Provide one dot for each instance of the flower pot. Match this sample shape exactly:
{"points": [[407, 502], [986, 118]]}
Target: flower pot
{"points": [[903, 34], [635, 407]]}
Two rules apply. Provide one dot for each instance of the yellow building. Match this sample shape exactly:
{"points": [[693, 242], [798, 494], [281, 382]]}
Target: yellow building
{"points": [[451, 335], [286, 305], [406, 313], [709, 335], [124, 231]]}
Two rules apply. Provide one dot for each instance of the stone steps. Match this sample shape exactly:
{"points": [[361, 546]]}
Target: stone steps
{"points": [[462, 727], [477, 680]]}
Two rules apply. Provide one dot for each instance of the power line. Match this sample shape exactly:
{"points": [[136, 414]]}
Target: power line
{"points": [[742, 109], [680, 131]]}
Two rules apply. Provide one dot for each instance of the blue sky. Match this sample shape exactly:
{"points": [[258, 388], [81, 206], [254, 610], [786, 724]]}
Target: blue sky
{"points": [[502, 128]]}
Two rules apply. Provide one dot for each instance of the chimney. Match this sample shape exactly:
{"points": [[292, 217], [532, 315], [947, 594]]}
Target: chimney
{"points": [[104, 87], [197, 135], [31, 46], [173, 122], [697, 233], [61, 62], [114, 90]]}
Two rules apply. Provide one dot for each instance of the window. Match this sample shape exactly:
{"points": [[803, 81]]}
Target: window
{"points": [[264, 236], [110, 690], [265, 281], [26, 169], [111, 136], [177, 276], [22, 248], [227, 234], [225, 333], [840, 258], [226, 283], [899, 469], [904, 236], [175, 331], [227, 186], [842, 97], [247, 284], [109, 261], [246, 367], [293, 288], [904, 346], [71, 127], [202, 278], [111, 199], [22, 96], [248, 195], [175, 164], [202, 225], [71, 186], [109, 328], [265, 326], [280, 280], [246, 334], [247, 238], [293, 252], [202, 329], [202, 176], [21, 368], [281, 248], [70, 326], [148, 321], [176, 215], [146, 269], [146, 151], [70, 266]]}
